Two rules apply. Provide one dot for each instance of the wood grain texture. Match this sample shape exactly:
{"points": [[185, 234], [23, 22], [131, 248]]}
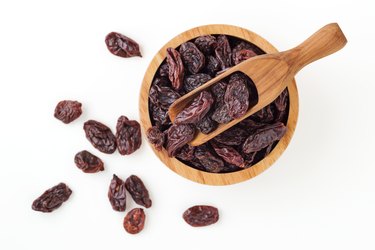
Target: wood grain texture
{"points": [[270, 74], [201, 176]]}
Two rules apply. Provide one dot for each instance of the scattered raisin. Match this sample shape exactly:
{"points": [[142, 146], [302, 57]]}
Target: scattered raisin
{"points": [[88, 162], [134, 221], [121, 45], [67, 111], [138, 191], [52, 198], [201, 215]]}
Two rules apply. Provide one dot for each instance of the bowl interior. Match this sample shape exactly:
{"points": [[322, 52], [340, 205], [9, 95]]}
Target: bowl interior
{"points": [[195, 174]]}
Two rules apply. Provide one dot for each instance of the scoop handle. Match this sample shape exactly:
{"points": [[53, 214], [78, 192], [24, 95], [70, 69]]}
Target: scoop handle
{"points": [[324, 42]]}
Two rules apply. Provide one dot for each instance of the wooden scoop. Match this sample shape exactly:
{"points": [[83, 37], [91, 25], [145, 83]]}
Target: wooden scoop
{"points": [[270, 74]]}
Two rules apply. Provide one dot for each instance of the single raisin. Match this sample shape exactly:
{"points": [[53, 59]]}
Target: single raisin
{"points": [[263, 137], [52, 198], [206, 44], [237, 95], [178, 136], [88, 162], [121, 45], [138, 191], [134, 221], [128, 135], [100, 136], [117, 194], [67, 111], [176, 68], [192, 57], [156, 137], [201, 215], [194, 112]]}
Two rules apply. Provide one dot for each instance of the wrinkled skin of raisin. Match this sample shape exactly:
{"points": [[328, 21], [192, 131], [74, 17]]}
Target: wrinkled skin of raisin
{"points": [[208, 159], [194, 81], [206, 44], [237, 96], [164, 70], [192, 57], [134, 221], [228, 154], [265, 115], [178, 136], [264, 137], [121, 45], [194, 112], [67, 111], [242, 55], [186, 153], [218, 91], [206, 125], [163, 96], [212, 66], [159, 116], [100, 136], [221, 114], [176, 68], [232, 137], [117, 194], [201, 215], [88, 162], [138, 191], [156, 137], [128, 135], [223, 52], [52, 198]]}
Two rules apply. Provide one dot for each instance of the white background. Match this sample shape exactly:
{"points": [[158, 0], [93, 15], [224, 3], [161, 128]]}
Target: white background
{"points": [[318, 195]]}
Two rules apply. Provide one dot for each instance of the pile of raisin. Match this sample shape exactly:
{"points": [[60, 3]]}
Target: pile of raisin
{"points": [[189, 66]]}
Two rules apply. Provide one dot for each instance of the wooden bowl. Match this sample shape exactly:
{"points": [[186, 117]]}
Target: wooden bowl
{"points": [[195, 174]]}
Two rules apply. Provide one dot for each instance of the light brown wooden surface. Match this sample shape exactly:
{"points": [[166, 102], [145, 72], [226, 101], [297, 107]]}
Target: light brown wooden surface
{"points": [[201, 176], [270, 74]]}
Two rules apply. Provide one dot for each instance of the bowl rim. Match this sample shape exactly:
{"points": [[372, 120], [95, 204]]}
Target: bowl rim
{"points": [[195, 174]]}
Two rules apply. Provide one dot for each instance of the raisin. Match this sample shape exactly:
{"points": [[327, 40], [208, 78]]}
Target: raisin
{"points": [[159, 115], [263, 137], [67, 111], [237, 95], [178, 136], [192, 57], [194, 81], [209, 161], [242, 55], [206, 44], [186, 153], [212, 66], [218, 91], [100, 136], [121, 45], [138, 191], [164, 69], [176, 68], [201, 215], [206, 125], [223, 52], [156, 137], [221, 114], [128, 135], [117, 194], [134, 221], [88, 162], [52, 198], [163, 96], [228, 154], [194, 112], [232, 136]]}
